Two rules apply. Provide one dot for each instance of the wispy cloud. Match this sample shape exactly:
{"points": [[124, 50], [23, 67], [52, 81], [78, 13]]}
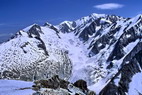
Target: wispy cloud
{"points": [[2, 24], [6, 34], [108, 6]]}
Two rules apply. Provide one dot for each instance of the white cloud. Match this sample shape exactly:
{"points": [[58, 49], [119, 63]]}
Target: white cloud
{"points": [[6, 34], [3, 35], [109, 6]]}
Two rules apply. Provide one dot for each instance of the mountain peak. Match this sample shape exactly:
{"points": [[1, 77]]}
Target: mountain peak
{"points": [[29, 27], [98, 15], [47, 24]]}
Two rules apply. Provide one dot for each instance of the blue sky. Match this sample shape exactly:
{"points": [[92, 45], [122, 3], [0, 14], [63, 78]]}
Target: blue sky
{"points": [[17, 14]]}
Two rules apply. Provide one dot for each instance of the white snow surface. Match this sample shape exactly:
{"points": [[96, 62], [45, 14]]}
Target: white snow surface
{"points": [[12, 87], [135, 86]]}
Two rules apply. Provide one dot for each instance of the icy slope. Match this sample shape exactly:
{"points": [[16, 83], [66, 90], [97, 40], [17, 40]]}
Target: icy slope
{"points": [[136, 85]]}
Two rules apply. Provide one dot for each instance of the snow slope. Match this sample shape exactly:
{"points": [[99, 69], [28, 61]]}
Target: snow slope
{"points": [[12, 87], [136, 85]]}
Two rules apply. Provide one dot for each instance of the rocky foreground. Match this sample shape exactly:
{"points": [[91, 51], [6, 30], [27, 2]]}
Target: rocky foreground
{"points": [[57, 86]]}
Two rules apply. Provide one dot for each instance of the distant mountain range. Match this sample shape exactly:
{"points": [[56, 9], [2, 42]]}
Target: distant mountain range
{"points": [[104, 50]]}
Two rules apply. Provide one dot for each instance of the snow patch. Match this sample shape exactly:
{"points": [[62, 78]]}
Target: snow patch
{"points": [[135, 86], [12, 87]]}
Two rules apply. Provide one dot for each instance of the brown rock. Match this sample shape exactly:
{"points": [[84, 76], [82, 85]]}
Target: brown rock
{"points": [[54, 83], [81, 84]]}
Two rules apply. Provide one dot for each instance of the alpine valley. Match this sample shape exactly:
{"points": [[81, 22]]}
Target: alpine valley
{"points": [[103, 50]]}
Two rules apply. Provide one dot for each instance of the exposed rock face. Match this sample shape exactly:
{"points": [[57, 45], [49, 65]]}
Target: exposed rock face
{"points": [[35, 31], [53, 83], [114, 42], [127, 71], [81, 84]]}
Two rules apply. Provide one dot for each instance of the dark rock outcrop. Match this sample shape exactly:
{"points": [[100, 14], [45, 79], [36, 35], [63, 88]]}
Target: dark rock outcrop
{"points": [[127, 71], [81, 84], [55, 83], [35, 30]]}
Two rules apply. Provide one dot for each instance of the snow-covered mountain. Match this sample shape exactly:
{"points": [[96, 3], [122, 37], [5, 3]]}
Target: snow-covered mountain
{"points": [[104, 50]]}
